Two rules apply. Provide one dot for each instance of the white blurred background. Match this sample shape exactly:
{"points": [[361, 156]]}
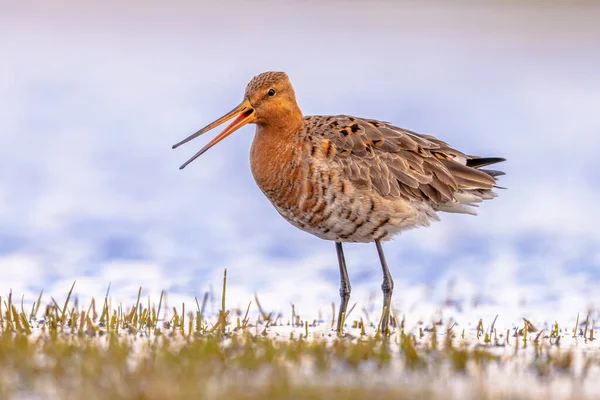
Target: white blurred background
{"points": [[93, 96]]}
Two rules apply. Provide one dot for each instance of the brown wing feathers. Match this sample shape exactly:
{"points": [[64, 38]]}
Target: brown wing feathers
{"points": [[401, 163]]}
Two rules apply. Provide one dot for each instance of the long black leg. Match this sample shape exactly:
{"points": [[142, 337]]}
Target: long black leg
{"points": [[344, 286], [387, 287]]}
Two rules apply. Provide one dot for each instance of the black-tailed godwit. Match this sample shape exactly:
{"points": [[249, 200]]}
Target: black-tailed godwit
{"points": [[350, 179]]}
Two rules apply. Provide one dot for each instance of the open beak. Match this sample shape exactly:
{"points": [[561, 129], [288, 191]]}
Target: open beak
{"points": [[245, 115]]}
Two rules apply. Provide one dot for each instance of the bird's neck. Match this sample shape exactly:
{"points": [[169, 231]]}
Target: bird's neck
{"points": [[286, 119], [274, 156]]}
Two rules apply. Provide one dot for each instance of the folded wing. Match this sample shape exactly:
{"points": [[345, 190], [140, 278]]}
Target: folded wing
{"points": [[399, 163]]}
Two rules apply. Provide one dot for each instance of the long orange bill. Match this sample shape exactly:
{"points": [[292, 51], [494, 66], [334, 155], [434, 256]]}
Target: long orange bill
{"points": [[245, 115]]}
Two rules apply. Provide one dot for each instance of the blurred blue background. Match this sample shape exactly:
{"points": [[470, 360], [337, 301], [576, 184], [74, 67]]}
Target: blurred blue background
{"points": [[93, 96]]}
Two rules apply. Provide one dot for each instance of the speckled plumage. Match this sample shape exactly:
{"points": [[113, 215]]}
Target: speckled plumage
{"points": [[350, 179]]}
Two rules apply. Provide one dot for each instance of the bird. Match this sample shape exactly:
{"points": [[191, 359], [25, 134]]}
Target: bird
{"points": [[348, 179]]}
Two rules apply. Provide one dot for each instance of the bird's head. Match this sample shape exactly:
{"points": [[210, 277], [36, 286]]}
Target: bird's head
{"points": [[269, 101]]}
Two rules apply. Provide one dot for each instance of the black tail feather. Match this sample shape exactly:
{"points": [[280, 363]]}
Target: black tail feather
{"points": [[483, 161]]}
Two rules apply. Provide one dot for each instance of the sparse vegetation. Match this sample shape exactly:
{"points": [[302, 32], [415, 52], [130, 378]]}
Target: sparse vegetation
{"points": [[99, 352]]}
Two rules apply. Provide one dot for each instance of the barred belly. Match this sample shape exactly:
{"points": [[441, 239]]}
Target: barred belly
{"points": [[331, 208]]}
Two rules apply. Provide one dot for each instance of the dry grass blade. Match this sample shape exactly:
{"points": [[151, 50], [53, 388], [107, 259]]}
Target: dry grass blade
{"points": [[263, 314], [224, 290], [530, 327], [105, 312], [64, 309], [245, 320], [350, 311], [15, 319], [204, 302], [493, 323], [56, 307], [162, 294], [332, 315], [35, 310], [134, 311], [197, 303]]}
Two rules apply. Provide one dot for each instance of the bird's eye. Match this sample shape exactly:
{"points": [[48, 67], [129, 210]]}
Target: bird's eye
{"points": [[271, 92]]}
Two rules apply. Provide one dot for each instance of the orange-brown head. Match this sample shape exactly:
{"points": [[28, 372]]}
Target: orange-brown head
{"points": [[269, 101]]}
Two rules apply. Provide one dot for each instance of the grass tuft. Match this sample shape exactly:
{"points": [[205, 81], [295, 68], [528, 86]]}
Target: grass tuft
{"points": [[157, 352]]}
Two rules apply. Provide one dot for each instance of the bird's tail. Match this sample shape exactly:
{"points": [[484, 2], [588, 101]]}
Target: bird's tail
{"points": [[478, 162], [469, 195]]}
